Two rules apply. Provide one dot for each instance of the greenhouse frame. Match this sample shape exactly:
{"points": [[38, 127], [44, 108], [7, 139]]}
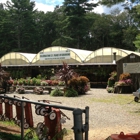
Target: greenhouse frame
{"points": [[57, 54]]}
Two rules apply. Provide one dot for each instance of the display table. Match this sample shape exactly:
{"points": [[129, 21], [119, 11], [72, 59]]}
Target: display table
{"points": [[49, 88], [123, 89]]}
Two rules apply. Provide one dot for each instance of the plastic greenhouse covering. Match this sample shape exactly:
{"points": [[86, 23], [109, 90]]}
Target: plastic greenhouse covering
{"points": [[56, 55]]}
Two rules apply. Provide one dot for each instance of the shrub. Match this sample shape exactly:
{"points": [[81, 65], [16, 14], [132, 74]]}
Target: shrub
{"points": [[79, 84], [38, 82], [113, 74], [27, 81], [110, 89], [112, 79], [33, 81], [83, 80], [39, 76], [20, 81], [56, 92], [110, 82], [61, 83], [44, 83], [124, 76], [70, 92], [124, 80], [15, 82], [66, 73]]}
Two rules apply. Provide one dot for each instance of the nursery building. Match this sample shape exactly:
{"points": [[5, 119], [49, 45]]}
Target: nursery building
{"points": [[96, 65]]}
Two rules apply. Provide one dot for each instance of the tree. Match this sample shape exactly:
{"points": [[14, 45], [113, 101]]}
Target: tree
{"points": [[21, 15], [5, 31], [128, 4], [137, 42], [136, 10], [75, 29], [45, 28]]}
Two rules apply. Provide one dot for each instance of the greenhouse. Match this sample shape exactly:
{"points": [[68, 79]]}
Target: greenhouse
{"points": [[56, 55], [96, 65], [16, 59], [107, 55]]}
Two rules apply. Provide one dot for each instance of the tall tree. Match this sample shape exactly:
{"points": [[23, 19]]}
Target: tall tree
{"points": [[21, 15], [45, 23], [137, 22], [126, 3], [75, 29], [137, 42], [5, 31]]}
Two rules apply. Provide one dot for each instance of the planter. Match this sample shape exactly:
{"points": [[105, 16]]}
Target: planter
{"points": [[21, 90], [123, 89]]}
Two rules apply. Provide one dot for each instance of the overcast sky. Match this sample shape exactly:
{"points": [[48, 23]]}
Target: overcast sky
{"points": [[48, 5]]}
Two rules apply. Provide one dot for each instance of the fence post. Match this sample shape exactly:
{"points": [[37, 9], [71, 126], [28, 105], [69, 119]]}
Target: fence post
{"points": [[86, 122], [78, 125], [22, 120]]}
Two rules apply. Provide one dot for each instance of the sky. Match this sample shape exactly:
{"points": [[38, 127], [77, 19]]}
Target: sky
{"points": [[49, 5]]}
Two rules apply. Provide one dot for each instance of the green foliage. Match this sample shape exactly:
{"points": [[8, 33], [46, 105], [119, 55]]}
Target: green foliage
{"points": [[110, 89], [30, 135], [110, 3], [34, 81], [20, 81], [23, 29], [110, 82], [61, 83], [7, 136], [112, 79], [39, 76], [137, 42], [74, 25], [60, 134], [56, 92], [70, 92], [38, 82]]}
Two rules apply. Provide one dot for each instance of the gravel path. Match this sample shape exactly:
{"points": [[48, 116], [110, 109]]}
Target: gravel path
{"points": [[106, 118]]}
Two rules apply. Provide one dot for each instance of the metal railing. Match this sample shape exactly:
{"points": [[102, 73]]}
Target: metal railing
{"points": [[79, 128]]}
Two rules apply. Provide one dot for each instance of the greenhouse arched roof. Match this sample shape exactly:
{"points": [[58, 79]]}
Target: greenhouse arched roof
{"points": [[105, 55], [56, 55], [17, 59]]}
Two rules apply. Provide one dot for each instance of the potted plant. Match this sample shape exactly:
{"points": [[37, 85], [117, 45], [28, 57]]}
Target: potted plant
{"points": [[110, 89], [38, 82], [65, 74]]}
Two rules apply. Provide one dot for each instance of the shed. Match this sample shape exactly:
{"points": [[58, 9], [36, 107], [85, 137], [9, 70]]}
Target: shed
{"points": [[130, 64]]}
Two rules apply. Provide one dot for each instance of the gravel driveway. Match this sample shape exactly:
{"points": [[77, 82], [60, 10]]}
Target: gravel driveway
{"points": [[106, 118]]}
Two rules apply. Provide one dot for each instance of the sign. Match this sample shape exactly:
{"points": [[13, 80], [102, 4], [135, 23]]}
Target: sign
{"points": [[132, 56], [55, 55], [131, 67]]}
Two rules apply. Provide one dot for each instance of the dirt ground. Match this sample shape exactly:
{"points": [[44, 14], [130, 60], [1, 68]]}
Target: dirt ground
{"points": [[106, 117], [98, 134]]}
